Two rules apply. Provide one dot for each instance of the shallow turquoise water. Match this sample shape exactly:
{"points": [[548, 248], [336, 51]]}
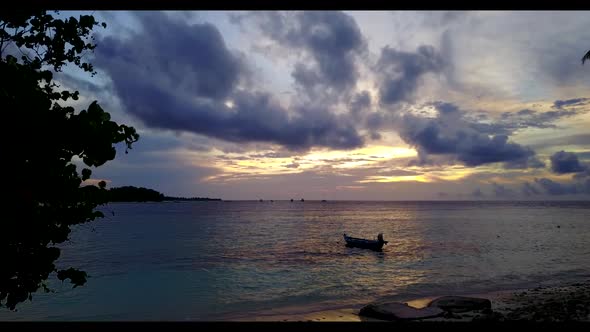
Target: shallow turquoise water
{"points": [[215, 260]]}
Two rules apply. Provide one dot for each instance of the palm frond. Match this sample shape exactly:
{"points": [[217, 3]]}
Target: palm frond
{"points": [[586, 57]]}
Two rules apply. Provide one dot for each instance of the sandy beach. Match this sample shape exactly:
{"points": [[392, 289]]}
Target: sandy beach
{"points": [[565, 303]]}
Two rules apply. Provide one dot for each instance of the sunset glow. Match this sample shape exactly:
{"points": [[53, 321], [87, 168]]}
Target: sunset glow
{"points": [[329, 103]]}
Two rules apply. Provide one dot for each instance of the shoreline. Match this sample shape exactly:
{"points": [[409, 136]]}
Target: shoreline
{"points": [[562, 303]]}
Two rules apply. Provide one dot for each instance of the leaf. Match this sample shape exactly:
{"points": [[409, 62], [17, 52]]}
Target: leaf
{"points": [[77, 277], [105, 116], [86, 174]]}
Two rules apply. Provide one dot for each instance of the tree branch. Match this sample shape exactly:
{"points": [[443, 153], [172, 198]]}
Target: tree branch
{"points": [[2, 40]]}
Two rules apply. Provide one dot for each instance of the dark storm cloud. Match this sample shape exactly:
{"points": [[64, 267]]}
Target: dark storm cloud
{"points": [[376, 120], [472, 139], [445, 108], [449, 133], [331, 39], [510, 122], [360, 102], [566, 162], [185, 57], [400, 72], [178, 77]]}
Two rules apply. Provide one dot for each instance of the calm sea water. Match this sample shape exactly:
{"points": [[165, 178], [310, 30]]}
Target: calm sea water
{"points": [[226, 260]]}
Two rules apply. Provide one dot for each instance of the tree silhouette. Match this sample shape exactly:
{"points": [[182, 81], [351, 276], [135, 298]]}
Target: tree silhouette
{"points": [[46, 196], [586, 57], [134, 194]]}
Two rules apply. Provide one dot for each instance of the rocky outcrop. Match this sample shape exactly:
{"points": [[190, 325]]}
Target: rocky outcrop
{"points": [[396, 311], [460, 303]]}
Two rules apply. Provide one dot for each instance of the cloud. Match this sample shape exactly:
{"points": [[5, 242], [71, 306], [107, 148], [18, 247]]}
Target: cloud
{"points": [[450, 134], [529, 118], [272, 154], [556, 188], [510, 122], [360, 102], [438, 19], [400, 72], [175, 55], [330, 41], [566, 162], [561, 60], [66, 80], [579, 139], [562, 163], [477, 193], [519, 54], [529, 189], [293, 165], [571, 102], [180, 77], [501, 191], [398, 172]]}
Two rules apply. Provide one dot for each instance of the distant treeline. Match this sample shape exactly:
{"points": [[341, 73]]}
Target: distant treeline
{"points": [[167, 198], [134, 194], [140, 194]]}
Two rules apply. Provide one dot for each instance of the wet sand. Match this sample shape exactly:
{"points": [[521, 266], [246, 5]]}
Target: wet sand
{"points": [[565, 303]]}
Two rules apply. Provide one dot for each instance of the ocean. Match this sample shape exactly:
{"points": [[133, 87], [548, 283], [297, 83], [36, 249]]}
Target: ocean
{"points": [[217, 260]]}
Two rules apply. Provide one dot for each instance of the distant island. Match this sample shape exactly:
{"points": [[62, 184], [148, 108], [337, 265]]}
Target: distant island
{"points": [[140, 194]]}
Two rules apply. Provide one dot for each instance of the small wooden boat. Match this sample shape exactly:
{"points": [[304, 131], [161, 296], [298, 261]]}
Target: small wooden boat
{"points": [[376, 245]]}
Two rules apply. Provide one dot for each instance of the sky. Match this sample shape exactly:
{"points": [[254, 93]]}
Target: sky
{"points": [[402, 105]]}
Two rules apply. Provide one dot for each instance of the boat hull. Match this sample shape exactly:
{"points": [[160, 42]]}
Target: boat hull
{"points": [[364, 244]]}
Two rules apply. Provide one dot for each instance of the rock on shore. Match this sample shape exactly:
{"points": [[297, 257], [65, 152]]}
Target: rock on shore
{"points": [[398, 311], [565, 303], [461, 303], [444, 306]]}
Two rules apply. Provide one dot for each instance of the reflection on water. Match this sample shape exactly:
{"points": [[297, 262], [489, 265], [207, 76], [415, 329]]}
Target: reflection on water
{"points": [[212, 260]]}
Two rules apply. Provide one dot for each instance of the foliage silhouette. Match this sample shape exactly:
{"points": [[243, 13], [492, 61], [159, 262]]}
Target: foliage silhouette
{"points": [[586, 57], [134, 194], [140, 194], [46, 193]]}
